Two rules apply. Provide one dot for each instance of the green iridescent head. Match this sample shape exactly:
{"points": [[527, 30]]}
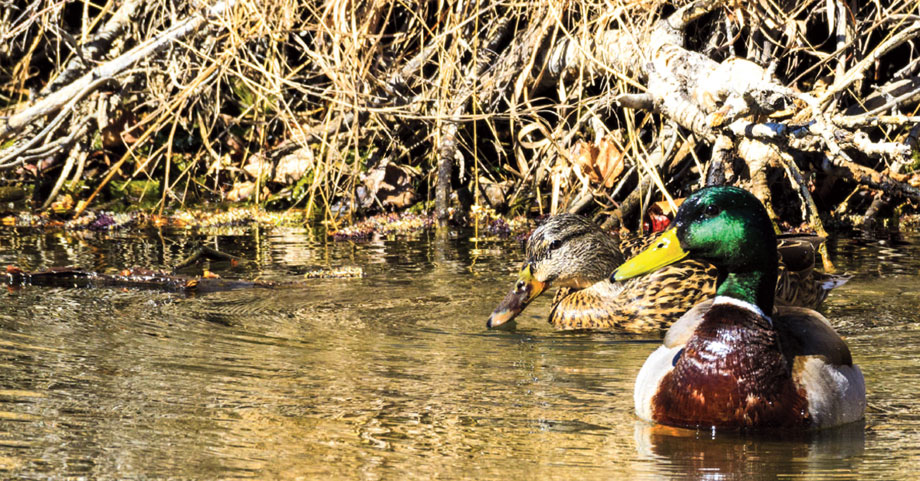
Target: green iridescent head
{"points": [[727, 227]]}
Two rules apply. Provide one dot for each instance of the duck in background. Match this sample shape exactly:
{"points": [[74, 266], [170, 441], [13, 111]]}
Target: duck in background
{"points": [[733, 361]]}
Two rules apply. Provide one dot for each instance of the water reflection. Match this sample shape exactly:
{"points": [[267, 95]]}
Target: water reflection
{"points": [[391, 375], [707, 455]]}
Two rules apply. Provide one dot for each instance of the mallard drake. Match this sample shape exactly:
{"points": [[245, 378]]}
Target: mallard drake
{"points": [[574, 254], [734, 361]]}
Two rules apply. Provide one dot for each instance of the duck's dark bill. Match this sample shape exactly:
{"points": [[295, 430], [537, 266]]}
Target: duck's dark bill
{"points": [[666, 250], [525, 290]]}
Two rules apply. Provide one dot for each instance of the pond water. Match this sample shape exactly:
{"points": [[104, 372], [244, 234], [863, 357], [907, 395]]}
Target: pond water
{"points": [[393, 375]]}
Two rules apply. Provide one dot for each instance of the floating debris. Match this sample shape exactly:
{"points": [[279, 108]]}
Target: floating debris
{"points": [[382, 225], [491, 224], [238, 217]]}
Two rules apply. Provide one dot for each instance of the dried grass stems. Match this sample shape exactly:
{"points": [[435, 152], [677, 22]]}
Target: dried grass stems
{"points": [[605, 107]]}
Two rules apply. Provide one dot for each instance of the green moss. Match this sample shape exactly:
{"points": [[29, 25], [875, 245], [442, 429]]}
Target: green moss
{"points": [[96, 143], [302, 187], [141, 192], [249, 99], [914, 165], [182, 161], [421, 207]]}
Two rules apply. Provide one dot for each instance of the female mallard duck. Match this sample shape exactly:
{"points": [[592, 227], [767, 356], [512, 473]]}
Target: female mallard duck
{"points": [[575, 254], [727, 363]]}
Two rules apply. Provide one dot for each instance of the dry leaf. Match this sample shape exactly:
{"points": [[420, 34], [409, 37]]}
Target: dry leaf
{"points": [[63, 204], [241, 191], [390, 184], [664, 206], [609, 162], [602, 164]]}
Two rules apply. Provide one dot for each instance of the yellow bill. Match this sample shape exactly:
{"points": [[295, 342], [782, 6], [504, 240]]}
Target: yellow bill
{"points": [[666, 250]]}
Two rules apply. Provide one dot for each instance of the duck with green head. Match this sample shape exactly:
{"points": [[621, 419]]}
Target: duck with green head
{"points": [[735, 361]]}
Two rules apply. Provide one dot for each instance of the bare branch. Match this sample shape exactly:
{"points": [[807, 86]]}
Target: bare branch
{"points": [[111, 69]]}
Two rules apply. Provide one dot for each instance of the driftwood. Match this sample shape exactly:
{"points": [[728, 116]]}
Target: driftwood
{"points": [[165, 281], [133, 279]]}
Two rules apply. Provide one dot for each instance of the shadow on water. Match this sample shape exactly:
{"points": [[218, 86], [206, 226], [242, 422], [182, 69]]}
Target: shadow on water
{"points": [[390, 375]]}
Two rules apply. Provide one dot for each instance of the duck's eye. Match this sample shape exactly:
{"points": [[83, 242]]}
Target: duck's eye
{"points": [[712, 210], [555, 244]]}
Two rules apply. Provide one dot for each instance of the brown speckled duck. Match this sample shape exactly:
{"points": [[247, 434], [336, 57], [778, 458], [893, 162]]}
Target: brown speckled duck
{"points": [[574, 254]]}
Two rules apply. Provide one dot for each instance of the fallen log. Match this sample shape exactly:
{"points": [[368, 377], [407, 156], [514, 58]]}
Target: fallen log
{"points": [[127, 279], [153, 280]]}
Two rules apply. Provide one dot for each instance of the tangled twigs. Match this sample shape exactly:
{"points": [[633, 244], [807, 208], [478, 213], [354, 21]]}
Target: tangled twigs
{"points": [[491, 86], [876, 180], [857, 72], [705, 96], [457, 94], [17, 154], [77, 156], [81, 86], [97, 45]]}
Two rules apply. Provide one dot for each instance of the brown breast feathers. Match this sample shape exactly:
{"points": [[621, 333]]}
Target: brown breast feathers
{"points": [[731, 374]]}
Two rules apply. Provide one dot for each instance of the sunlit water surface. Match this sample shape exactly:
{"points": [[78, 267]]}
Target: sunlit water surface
{"points": [[390, 376]]}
